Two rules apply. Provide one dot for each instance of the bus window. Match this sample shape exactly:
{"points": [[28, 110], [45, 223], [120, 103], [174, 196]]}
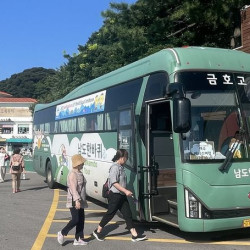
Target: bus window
{"points": [[123, 94], [45, 115], [42, 127], [82, 124], [94, 122], [125, 117], [210, 111], [99, 121], [126, 135], [161, 118], [111, 120], [156, 86], [56, 127], [244, 94], [68, 125], [47, 127]]}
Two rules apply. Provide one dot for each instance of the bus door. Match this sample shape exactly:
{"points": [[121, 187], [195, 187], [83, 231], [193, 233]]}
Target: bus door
{"points": [[161, 164], [126, 133], [126, 140]]}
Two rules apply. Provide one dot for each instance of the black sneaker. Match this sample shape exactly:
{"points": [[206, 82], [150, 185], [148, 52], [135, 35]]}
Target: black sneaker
{"points": [[98, 236], [138, 238]]}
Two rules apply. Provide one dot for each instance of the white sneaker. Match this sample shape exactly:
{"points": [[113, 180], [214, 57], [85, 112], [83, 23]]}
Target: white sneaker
{"points": [[98, 236], [60, 238], [138, 238], [80, 242]]}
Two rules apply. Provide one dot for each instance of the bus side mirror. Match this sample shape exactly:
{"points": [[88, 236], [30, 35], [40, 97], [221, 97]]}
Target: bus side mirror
{"points": [[181, 115]]}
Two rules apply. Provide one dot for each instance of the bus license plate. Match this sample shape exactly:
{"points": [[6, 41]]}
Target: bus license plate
{"points": [[246, 223]]}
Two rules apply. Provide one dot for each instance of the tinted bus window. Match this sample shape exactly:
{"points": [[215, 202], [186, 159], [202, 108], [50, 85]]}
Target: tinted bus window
{"points": [[123, 94], [156, 86], [45, 115], [111, 120]]}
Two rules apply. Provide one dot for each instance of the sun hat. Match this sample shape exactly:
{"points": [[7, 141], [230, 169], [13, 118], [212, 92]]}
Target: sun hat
{"points": [[77, 160]]}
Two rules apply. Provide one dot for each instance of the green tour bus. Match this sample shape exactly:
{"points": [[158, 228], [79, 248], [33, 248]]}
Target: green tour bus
{"points": [[183, 114]]}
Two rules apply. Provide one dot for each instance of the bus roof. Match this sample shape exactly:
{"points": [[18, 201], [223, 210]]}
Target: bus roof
{"points": [[169, 60]]}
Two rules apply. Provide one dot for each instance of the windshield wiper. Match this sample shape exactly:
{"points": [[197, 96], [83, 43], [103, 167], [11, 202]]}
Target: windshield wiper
{"points": [[230, 153]]}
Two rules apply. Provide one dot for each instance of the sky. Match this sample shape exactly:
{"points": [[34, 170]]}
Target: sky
{"points": [[35, 33]]}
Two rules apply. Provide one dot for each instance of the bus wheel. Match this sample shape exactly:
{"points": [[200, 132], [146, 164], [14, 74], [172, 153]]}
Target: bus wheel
{"points": [[49, 176]]}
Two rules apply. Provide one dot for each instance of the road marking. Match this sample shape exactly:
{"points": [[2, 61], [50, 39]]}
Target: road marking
{"points": [[47, 223], [43, 234], [89, 202], [86, 210], [237, 243], [90, 221]]}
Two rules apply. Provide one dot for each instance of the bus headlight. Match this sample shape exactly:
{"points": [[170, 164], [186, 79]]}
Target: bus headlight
{"points": [[193, 206]]}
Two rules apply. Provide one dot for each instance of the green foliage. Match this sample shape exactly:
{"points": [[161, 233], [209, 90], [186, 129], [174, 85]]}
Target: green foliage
{"points": [[131, 32], [30, 83]]}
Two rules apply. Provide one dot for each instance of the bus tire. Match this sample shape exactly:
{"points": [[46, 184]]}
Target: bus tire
{"points": [[49, 176]]}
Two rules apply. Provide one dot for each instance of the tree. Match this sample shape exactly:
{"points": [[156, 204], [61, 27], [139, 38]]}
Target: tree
{"points": [[26, 84], [131, 32]]}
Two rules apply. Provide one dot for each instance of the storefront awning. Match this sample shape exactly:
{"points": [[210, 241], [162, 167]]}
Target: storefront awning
{"points": [[21, 140]]}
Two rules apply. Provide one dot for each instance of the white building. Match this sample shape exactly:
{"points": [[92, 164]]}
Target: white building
{"points": [[16, 122]]}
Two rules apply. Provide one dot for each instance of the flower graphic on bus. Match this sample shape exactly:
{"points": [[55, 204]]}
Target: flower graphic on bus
{"points": [[63, 161]]}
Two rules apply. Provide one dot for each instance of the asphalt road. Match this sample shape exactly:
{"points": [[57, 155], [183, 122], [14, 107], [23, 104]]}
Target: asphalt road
{"points": [[31, 219]]}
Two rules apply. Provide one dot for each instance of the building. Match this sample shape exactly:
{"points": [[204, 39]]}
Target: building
{"points": [[16, 122], [4, 94], [243, 34]]}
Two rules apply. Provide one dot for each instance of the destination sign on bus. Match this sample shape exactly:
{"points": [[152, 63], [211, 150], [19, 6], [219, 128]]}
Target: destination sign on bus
{"points": [[85, 105], [199, 80], [227, 79]]}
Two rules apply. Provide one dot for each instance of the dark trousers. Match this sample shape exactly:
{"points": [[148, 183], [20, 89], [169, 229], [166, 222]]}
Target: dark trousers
{"points": [[78, 218], [117, 202]]}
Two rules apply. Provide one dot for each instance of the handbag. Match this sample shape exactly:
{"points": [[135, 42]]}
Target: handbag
{"points": [[73, 203], [72, 200], [105, 189]]}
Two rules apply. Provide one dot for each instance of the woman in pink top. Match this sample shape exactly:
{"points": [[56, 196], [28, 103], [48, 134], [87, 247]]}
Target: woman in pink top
{"points": [[16, 174], [76, 202]]}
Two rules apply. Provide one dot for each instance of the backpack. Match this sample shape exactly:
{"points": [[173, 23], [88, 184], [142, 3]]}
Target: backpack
{"points": [[16, 166], [105, 189]]}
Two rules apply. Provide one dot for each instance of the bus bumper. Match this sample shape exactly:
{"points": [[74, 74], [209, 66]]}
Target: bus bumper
{"points": [[200, 225], [225, 224]]}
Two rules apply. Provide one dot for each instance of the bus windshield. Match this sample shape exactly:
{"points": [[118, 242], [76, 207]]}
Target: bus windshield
{"points": [[220, 110]]}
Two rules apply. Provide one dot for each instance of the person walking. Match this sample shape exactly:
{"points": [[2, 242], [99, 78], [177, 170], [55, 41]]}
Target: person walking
{"points": [[117, 199], [76, 202], [3, 158], [16, 168]]}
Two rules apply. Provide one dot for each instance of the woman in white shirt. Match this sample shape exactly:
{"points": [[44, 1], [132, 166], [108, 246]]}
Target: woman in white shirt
{"points": [[2, 164]]}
